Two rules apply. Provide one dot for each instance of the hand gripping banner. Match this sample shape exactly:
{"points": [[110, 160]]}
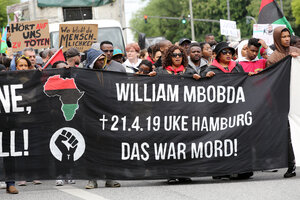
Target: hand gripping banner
{"points": [[85, 124]]}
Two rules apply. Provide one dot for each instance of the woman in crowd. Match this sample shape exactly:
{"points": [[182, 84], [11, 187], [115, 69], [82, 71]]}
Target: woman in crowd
{"points": [[242, 51], [23, 63], [207, 53], [175, 62], [133, 61], [156, 53], [223, 62]]}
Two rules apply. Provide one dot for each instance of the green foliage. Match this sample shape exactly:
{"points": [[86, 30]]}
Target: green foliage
{"points": [[296, 10], [3, 14], [204, 9]]}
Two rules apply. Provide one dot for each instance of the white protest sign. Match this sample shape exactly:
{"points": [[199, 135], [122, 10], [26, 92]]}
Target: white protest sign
{"points": [[265, 32], [228, 28]]}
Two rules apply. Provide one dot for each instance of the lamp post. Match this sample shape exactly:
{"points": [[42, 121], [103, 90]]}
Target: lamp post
{"points": [[228, 10], [192, 20]]}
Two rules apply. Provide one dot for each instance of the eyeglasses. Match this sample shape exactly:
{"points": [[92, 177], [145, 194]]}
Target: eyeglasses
{"points": [[105, 51], [174, 55], [224, 51]]}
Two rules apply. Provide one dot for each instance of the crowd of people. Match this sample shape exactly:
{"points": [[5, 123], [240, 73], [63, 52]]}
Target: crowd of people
{"points": [[185, 57]]}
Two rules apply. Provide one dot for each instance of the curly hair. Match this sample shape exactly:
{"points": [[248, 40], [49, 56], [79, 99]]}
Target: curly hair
{"points": [[167, 57]]}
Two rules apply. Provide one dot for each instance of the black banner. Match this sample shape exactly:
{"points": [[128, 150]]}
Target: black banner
{"points": [[92, 124]]}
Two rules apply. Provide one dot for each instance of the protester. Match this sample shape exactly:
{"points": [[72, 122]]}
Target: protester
{"points": [[242, 50], [23, 63], [175, 62], [251, 63], [163, 46], [196, 63], [111, 65], [156, 53], [60, 64], [73, 57], [282, 39], [150, 55], [185, 43], [210, 39], [263, 53], [295, 41], [133, 61], [118, 56], [46, 55], [143, 54], [39, 61], [30, 54], [96, 59], [4, 60], [145, 67], [207, 54], [223, 62], [8, 162]]}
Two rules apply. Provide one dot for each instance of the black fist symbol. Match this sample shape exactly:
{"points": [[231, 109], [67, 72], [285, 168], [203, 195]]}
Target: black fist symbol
{"points": [[67, 144]]}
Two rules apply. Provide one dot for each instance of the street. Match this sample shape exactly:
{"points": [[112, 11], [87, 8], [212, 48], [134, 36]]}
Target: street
{"points": [[263, 185]]}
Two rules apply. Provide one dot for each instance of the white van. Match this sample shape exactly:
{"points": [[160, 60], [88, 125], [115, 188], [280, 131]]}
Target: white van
{"points": [[110, 30]]}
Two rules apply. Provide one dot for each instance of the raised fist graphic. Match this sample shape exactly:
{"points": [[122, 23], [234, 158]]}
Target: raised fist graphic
{"points": [[67, 143]]}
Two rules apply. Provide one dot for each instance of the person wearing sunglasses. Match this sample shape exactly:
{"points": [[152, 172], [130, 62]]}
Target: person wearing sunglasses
{"points": [[175, 62], [223, 62], [111, 65]]}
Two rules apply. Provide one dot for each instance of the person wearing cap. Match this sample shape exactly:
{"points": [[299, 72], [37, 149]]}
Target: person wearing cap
{"points": [[118, 55], [185, 43], [133, 61], [223, 62], [73, 57]]}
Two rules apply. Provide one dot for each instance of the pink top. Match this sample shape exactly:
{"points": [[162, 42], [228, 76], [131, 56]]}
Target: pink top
{"points": [[254, 66]]}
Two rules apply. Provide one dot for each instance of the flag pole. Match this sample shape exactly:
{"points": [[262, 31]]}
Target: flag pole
{"points": [[52, 57]]}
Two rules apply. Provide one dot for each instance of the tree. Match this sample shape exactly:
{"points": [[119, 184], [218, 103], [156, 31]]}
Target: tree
{"points": [[296, 10], [204, 9], [3, 14]]}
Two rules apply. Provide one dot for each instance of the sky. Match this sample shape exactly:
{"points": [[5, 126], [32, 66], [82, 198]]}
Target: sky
{"points": [[132, 6]]}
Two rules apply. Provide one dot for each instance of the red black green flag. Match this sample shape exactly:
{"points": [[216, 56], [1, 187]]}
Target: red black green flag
{"points": [[270, 13]]}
